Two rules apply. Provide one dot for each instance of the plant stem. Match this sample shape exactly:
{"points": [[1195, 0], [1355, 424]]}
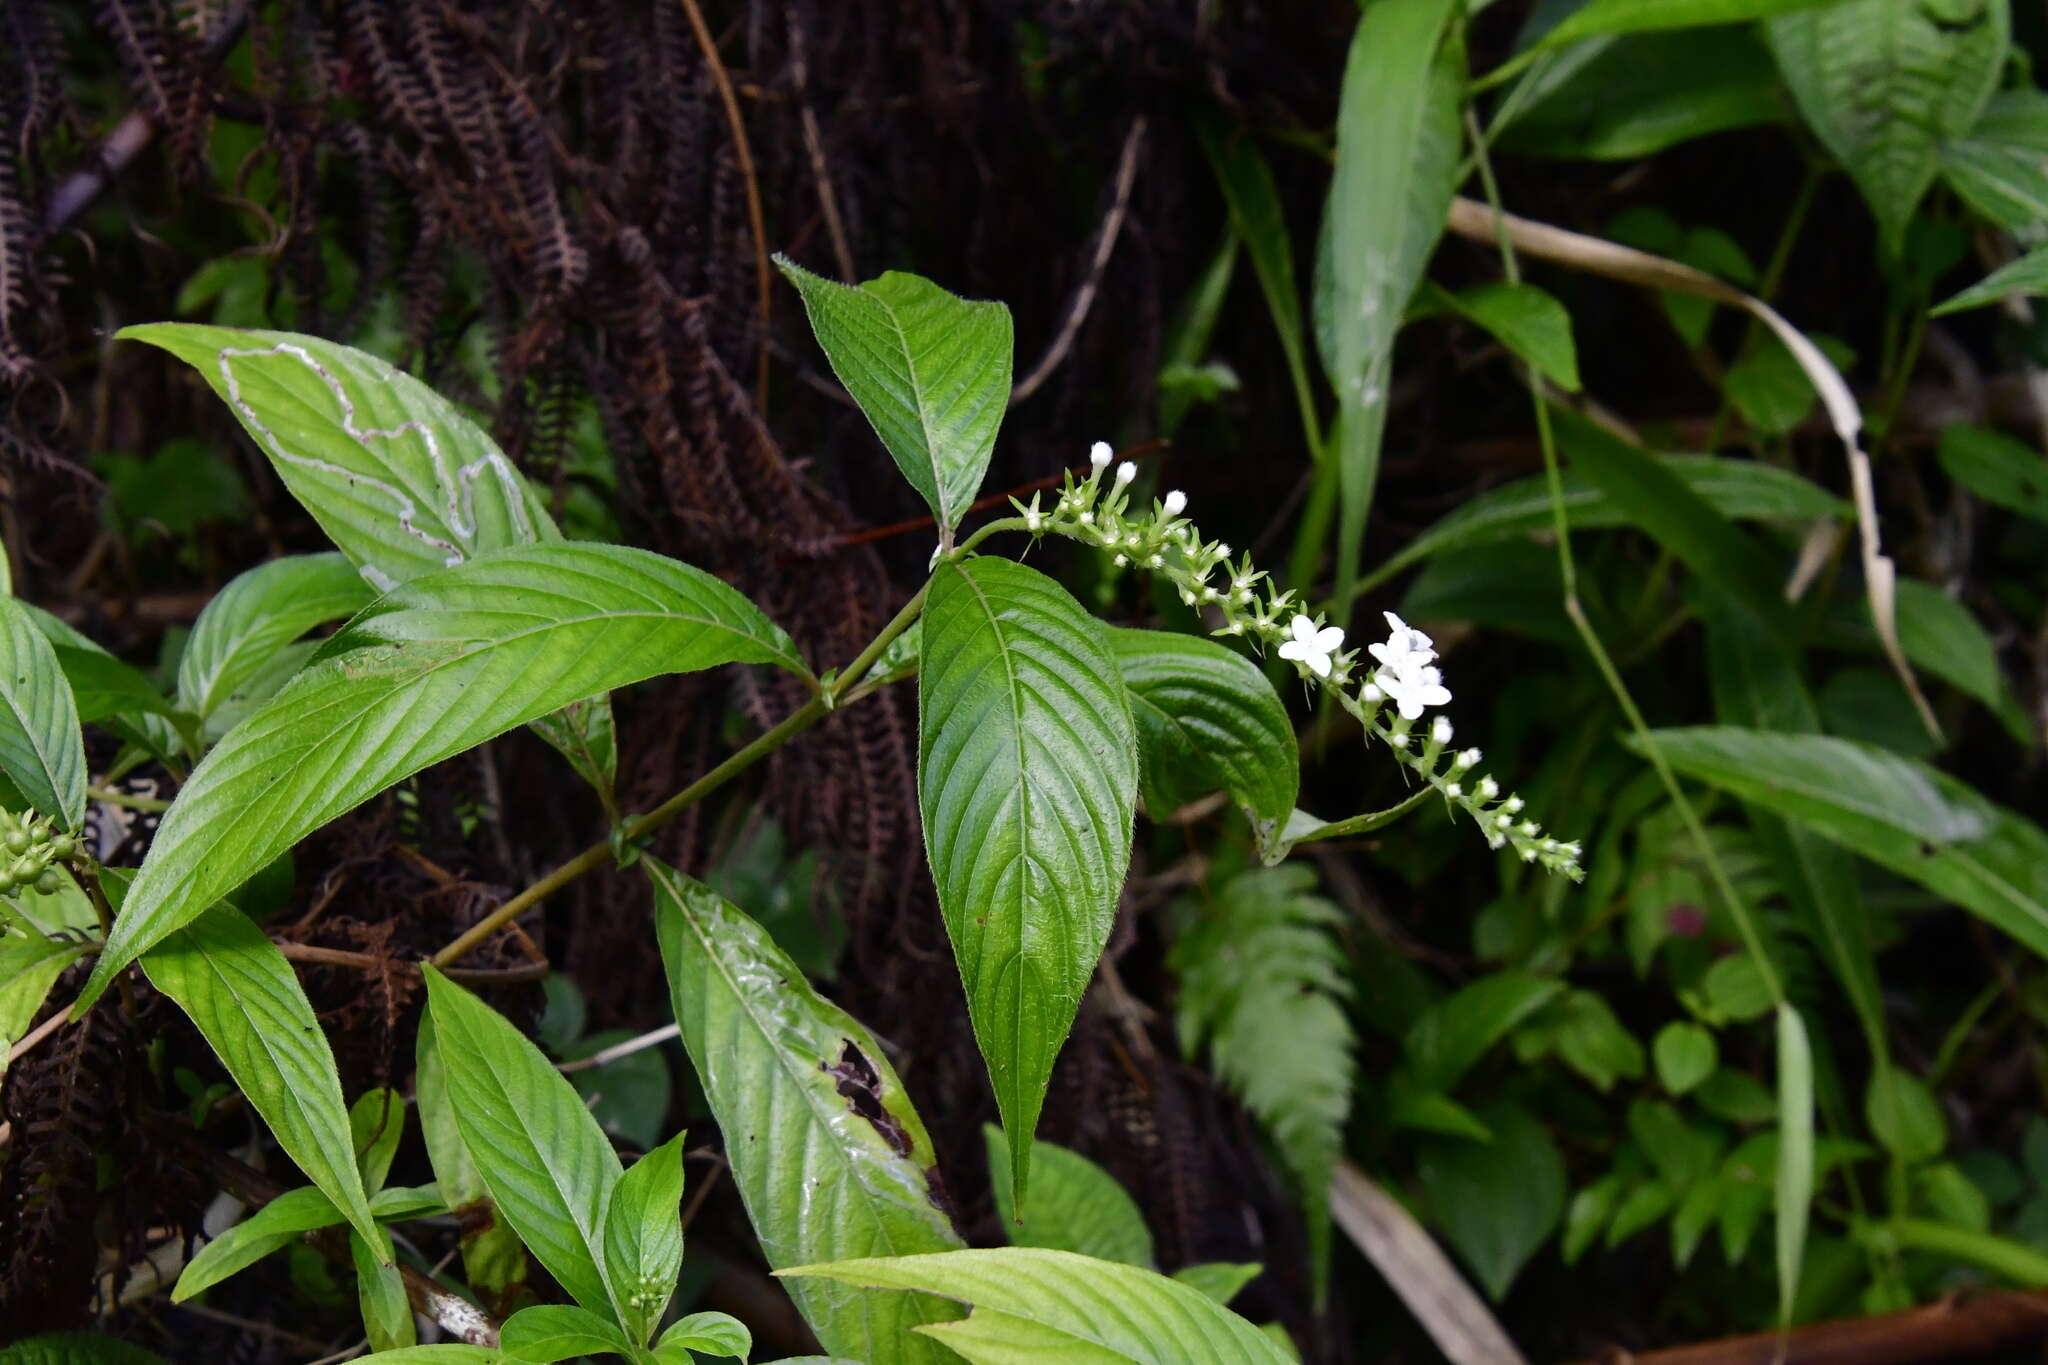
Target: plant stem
{"points": [[149, 804], [799, 720]]}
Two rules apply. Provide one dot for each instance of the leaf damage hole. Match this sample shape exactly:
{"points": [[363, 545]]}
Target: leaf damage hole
{"points": [[860, 1085]]}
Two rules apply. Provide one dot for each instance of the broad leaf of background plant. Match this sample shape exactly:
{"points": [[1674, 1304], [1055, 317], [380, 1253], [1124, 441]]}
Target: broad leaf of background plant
{"points": [[1075, 1205], [2028, 275], [29, 965], [1207, 720], [643, 1236], [257, 614], [400, 481], [929, 369], [2001, 168], [1883, 83], [1940, 635], [1921, 823], [1455, 1032], [1083, 1309], [1497, 1201], [1638, 16], [40, 745], [245, 998], [1530, 322], [1997, 468], [547, 1163], [433, 668], [492, 1258], [1026, 782], [270, 1228], [828, 1154], [1397, 164]]}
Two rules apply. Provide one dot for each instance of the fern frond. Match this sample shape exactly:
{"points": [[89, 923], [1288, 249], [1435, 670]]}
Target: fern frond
{"points": [[1262, 983]]}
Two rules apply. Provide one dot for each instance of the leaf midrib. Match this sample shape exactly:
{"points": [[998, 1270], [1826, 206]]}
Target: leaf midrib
{"points": [[924, 425]]}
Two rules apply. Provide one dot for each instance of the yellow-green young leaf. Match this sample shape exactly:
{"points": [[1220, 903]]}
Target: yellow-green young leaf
{"points": [[1531, 323], [549, 1332], [711, 1334], [1026, 782], [246, 999], [1883, 83], [492, 1258], [1996, 467], [1397, 165], [1220, 1280], [277, 1224], [1207, 720], [929, 369], [257, 614], [828, 1155], [376, 1122], [1075, 1205], [1072, 1308], [41, 748], [401, 482], [380, 1291], [643, 1237], [432, 668], [1637, 16], [546, 1162], [1686, 1054], [1921, 823], [1795, 1153]]}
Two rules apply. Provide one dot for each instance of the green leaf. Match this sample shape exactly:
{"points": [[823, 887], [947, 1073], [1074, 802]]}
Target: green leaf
{"points": [[244, 997], [806, 1100], [1622, 98], [399, 480], [41, 748], [1999, 168], [277, 1224], [401, 1203], [1026, 782], [447, 1353], [548, 1166], [1079, 1206], [1737, 489], [376, 1122], [583, 733], [1637, 16], [1795, 1154], [433, 668], [1904, 1115], [257, 614], [2026, 276], [29, 966], [712, 1334], [1900, 814], [103, 686], [380, 1290], [1997, 469], [1458, 1030], [1883, 83], [931, 371], [1220, 1280], [1941, 636], [1184, 379], [643, 1236], [76, 1348], [1496, 1202], [549, 1332], [1397, 166], [1086, 1310], [1529, 322], [1686, 1055], [1207, 720], [492, 1257], [1770, 387]]}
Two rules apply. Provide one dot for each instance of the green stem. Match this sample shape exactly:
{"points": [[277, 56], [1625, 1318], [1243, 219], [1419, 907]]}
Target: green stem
{"points": [[2018, 1263], [141, 803]]}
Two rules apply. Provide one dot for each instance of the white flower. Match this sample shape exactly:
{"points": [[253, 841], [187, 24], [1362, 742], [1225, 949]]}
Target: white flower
{"points": [[1100, 455], [1311, 646], [1440, 732], [1413, 685], [1404, 643], [1467, 759], [1176, 503], [1370, 694], [1488, 789], [1125, 472]]}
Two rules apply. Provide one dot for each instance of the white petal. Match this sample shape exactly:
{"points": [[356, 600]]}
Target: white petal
{"points": [[1304, 630], [1320, 663], [1411, 709], [1436, 696], [1293, 649], [1329, 638], [1394, 623]]}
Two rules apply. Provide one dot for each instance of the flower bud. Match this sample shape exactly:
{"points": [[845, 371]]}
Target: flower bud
{"points": [[1125, 472], [1100, 455], [1176, 503]]}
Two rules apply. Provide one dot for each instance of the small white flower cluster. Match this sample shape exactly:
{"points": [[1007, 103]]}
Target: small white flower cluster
{"points": [[1163, 541]]}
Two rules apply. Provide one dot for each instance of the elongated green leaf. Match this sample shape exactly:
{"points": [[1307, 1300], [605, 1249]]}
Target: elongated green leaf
{"points": [[1737, 489], [492, 1258], [1187, 341], [1077, 1206], [1026, 782], [2001, 168], [1098, 1310], [643, 1236], [245, 998], [259, 613], [1997, 468], [1497, 1201], [930, 370], [1900, 814], [29, 965], [1940, 635], [433, 668], [1621, 98], [2028, 276], [713, 1334], [401, 482], [275, 1225], [106, 685], [380, 1292], [1638, 16], [1795, 1153], [1397, 156], [1449, 1039], [1884, 82], [548, 1165], [40, 745], [549, 1332], [1207, 720], [1530, 322], [807, 1101], [376, 1122]]}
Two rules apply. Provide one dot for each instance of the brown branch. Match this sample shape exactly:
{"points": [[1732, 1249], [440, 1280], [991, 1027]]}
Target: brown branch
{"points": [[1945, 1330], [763, 276], [341, 957]]}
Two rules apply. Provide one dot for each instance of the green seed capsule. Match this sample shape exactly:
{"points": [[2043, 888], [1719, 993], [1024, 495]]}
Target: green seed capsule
{"points": [[47, 883], [63, 847], [18, 841]]}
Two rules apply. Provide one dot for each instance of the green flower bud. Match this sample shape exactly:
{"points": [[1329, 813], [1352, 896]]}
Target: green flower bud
{"points": [[18, 841], [47, 882]]}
